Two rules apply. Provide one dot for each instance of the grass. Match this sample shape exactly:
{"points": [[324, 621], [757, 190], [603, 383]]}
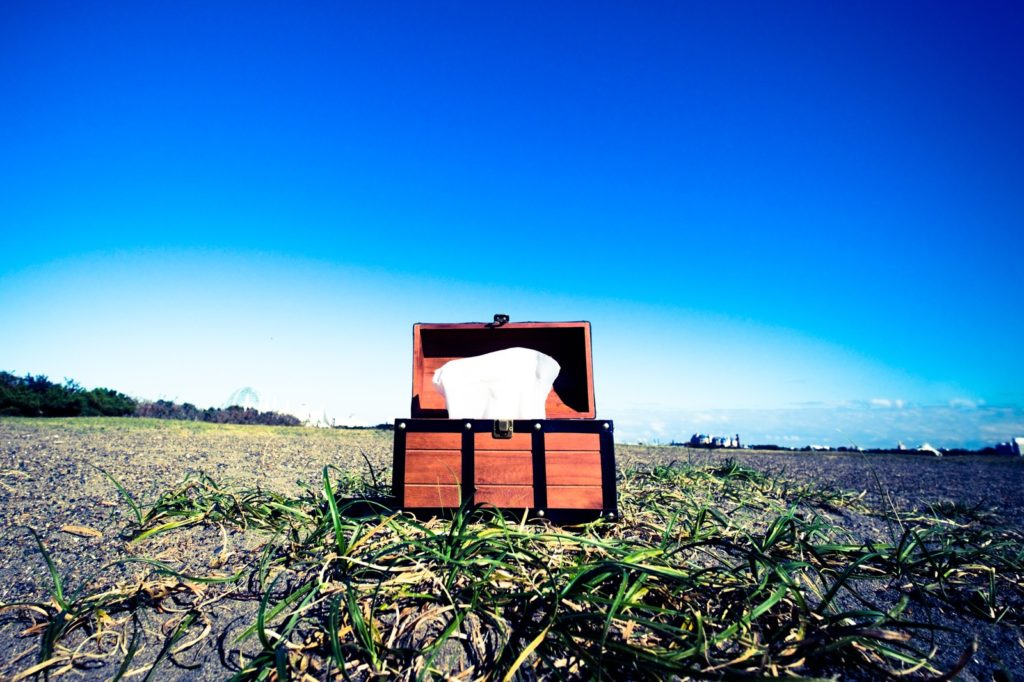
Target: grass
{"points": [[715, 571], [170, 427]]}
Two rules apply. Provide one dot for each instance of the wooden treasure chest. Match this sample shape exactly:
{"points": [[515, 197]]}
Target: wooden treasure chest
{"points": [[561, 466]]}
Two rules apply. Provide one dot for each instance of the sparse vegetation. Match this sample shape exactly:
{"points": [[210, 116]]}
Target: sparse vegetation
{"points": [[37, 396], [234, 414], [716, 570]]}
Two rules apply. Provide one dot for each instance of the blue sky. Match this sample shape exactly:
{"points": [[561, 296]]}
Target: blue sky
{"points": [[773, 214]]}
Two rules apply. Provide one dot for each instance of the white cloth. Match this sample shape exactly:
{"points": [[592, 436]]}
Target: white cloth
{"points": [[507, 384]]}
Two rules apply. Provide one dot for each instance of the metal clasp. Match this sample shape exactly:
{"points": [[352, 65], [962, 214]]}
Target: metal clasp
{"points": [[500, 319], [502, 429]]}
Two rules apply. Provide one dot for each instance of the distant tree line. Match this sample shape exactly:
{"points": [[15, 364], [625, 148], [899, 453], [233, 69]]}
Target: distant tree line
{"points": [[235, 414], [37, 396], [386, 426]]}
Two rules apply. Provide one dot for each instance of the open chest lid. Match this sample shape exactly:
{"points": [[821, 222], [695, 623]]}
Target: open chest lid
{"points": [[571, 397]]}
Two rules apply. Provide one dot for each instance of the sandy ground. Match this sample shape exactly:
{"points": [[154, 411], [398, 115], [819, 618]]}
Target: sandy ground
{"points": [[48, 481]]}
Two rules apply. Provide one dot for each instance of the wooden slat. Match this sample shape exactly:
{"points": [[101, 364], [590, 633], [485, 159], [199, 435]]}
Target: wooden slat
{"points": [[433, 466], [433, 441], [572, 441], [507, 496], [555, 407], [430, 399], [417, 369], [504, 468], [572, 467], [431, 365], [428, 496], [519, 441], [575, 497]]}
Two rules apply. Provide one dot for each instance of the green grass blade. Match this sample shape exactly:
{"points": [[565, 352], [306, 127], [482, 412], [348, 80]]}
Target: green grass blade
{"points": [[55, 579], [174, 638], [124, 495], [339, 536]]}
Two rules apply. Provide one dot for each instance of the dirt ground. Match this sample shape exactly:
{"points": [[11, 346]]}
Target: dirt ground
{"points": [[909, 481], [49, 482]]}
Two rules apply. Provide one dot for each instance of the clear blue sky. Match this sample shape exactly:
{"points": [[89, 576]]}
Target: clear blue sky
{"points": [[791, 207]]}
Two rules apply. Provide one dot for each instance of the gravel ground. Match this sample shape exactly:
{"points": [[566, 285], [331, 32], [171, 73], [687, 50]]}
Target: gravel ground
{"points": [[909, 481], [48, 482], [991, 486]]}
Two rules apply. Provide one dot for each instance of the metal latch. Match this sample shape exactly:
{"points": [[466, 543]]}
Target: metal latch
{"points": [[502, 429], [500, 319]]}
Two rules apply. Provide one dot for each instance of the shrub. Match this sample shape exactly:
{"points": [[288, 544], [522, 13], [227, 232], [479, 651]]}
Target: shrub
{"points": [[37, 396]]}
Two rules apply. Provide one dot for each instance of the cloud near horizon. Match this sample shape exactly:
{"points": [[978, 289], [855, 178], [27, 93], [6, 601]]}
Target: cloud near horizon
{"points": [[887, 403], [866, 425]]}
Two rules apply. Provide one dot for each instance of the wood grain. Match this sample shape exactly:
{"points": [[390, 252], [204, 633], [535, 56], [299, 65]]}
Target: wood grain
{"points": [[575, 497], [433, 441], [572, 441], [570, 468], [507, 496], [483, 442], [433, 466], [429, 496], [504, 468]]}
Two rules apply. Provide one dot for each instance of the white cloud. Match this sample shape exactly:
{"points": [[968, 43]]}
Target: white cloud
{"points": [[777, 438], [703, 418], [966, 403], [863, 425], [886, 403]]}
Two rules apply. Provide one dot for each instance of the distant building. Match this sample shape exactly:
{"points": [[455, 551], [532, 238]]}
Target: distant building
{"points": [[703, 440], [1012, 447]]}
